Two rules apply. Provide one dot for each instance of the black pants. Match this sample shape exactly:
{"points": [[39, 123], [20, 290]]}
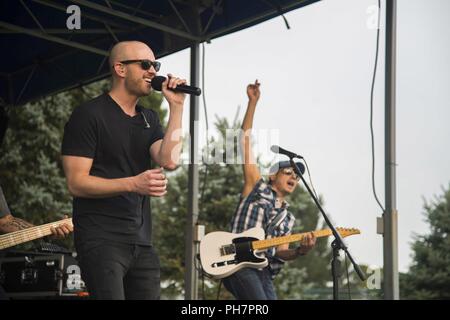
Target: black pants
{"points": [[251, 284], [117, 271]]}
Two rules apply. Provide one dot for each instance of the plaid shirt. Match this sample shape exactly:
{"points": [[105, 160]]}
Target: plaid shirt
{"points": [[258, 209]]}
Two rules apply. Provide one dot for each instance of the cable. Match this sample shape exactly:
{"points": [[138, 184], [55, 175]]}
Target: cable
{"points": [[371, 108], [218, 290], [199, 268], [205, 161], [205, 275], [203, 286], [310, 179], [203, 88], [279, 11]]}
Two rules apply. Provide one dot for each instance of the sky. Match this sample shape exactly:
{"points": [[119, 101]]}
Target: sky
{"points": [[315, 98]]}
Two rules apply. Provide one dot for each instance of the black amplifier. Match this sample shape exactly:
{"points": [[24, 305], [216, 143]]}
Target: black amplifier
{"points": [[34, 275]]}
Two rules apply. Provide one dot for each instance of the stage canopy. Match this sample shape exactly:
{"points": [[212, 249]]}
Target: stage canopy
{"points": [[41, 56]]}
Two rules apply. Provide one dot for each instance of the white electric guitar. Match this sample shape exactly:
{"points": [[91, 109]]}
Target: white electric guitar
{"points": [[17, 237], [224, 253]]}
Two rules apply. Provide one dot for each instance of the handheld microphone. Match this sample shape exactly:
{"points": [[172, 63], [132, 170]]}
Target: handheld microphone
{"points": [[278, 149], [157, 81]]}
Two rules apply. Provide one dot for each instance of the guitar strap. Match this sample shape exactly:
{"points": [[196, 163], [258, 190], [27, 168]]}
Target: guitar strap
{"points": [[276, 222]]}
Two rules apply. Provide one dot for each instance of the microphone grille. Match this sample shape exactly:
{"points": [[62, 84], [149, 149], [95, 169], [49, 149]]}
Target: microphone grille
{"points": [[157, 82], [275, 149]]}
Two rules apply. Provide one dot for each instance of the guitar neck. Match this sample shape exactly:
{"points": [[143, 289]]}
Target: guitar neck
{"points": [[14, 238], [274, 242]]}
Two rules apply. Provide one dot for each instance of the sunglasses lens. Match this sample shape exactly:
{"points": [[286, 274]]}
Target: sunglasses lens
{"points": [[145, 64], [291, 172]]}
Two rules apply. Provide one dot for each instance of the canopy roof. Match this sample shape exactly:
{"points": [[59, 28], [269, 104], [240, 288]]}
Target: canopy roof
{"points": [[41, 56]]}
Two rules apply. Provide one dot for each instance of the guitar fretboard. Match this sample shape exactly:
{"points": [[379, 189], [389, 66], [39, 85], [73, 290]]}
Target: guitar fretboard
{"points": [[268, 243], [29, 234]]}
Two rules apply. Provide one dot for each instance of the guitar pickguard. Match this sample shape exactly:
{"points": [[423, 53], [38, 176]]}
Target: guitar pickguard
{"points": [[244, 250]]}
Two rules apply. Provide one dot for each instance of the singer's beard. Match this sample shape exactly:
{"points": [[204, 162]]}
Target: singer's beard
{"points": [[138, 87]]}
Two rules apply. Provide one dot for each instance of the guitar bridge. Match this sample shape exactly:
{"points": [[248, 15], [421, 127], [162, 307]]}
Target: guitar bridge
{"points": [[227, 249], [223, 263]]}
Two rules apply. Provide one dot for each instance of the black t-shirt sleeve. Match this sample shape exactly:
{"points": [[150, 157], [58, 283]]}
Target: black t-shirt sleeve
{"points": [[80, 138], [158, 132], [4, 210]]}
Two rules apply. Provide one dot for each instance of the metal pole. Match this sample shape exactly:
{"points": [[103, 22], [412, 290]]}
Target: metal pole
{"points": [[48, 37], [390, 237], [191, 276], [134, 19]]}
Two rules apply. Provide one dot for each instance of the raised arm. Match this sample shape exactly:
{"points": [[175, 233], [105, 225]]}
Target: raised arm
{"points": [[251, 170], [166, 152]]}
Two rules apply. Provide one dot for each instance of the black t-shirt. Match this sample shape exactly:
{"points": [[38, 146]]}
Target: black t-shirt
{"points": [[4, 210], [120, 147]]}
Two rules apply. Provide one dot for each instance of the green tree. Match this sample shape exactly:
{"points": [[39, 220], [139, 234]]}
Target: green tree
{"points": [[429, 275]]}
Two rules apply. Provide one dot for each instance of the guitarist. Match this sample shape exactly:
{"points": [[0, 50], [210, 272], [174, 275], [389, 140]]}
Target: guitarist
{"points": [[9, 223], [263, 204]]}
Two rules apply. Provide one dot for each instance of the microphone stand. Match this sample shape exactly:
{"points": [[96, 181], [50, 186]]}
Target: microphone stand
{"points": [[336, 245]]}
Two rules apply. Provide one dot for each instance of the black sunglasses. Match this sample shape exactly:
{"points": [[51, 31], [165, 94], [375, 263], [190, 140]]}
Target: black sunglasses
{"points": [[290, 171], [145, 63]]}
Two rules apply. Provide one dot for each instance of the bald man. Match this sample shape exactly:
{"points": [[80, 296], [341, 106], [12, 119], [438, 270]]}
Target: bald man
{"points": [[108, 148]]}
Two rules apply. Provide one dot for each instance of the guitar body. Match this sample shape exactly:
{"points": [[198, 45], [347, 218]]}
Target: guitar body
{"points": [[223, 253]]}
